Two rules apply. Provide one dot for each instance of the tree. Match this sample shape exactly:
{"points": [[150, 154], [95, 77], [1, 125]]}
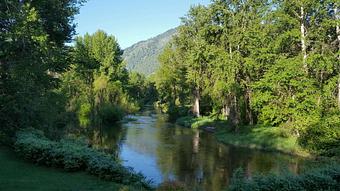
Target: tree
{"points": [[97, 83], [171, 80], [32, 50]]}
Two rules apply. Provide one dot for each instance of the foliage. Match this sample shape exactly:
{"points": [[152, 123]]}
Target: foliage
{"points": [[324, 178], [279, 78], [97, 83], [19, 175], [171, 186], [110, 114], [141, 89], [74, 155], [272, 63], [323, 137], [32, 52], [84, 114]]}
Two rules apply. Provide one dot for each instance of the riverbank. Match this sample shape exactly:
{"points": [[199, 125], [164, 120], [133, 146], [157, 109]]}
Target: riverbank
{"points": [[254, 137], [20, 175], [74, 155], [262, 138]]}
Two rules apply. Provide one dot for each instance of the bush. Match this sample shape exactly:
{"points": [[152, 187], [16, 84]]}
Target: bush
{"points": [[73, 155], [172, 186], [3, 138], [323, 137], [84, 114], [110, 114], [175, 111], [326, 178]]}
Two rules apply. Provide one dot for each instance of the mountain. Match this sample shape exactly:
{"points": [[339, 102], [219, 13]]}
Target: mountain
{"points": [[142, 57]]}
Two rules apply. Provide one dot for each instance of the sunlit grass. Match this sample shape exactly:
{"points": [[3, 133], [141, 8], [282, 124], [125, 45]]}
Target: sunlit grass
{"points": [[262, 137], [205, 121]]}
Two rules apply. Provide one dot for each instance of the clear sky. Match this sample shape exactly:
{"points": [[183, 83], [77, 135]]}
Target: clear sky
{"points": [[131, 21]]}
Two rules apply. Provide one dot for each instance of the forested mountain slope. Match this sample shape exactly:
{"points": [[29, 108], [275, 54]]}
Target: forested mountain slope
{"points": [[142, 57]]}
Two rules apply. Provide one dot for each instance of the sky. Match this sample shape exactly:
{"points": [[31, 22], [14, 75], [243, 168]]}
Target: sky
{"points": [[131, 21]]}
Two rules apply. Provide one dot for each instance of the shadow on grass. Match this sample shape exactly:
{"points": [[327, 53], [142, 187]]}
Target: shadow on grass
{"points": [[264, 138], [256, 137], [17, 174]]}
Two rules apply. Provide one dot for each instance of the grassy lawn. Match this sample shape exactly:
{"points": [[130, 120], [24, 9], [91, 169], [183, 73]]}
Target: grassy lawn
{"points": [[17, 175], [264, 138]]}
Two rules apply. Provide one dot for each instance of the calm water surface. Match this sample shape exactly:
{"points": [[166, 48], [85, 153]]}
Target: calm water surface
{"points": [[163, 151]]}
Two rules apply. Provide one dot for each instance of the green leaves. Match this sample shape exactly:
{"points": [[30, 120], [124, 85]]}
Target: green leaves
{"points": [[97, 83], [322, 178], [32, 53], [75, 155], [271, 62]]}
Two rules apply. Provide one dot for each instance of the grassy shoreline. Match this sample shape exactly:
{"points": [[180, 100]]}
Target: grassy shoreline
{"points": [[263, 138], [254, 137]]}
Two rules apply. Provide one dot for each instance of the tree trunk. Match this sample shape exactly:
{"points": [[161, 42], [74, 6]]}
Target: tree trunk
{"points": [[338, 91], [249, 112], [337, 18], [226, 110], [303, 39], [196, 107], [235, 113], [175, 96]]}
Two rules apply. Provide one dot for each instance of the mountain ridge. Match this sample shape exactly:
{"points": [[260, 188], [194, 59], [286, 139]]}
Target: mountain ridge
{"points": [[142, 56]]}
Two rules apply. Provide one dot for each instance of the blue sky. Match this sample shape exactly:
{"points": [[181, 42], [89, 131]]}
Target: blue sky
{"points": [[131, 21]]}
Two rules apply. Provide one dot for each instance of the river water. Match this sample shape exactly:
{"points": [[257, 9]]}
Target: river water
{"points": [[163, 151]]}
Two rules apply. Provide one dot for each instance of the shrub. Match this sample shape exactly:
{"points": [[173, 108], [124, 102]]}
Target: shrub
{"points": [[175, 111], [84, 114], [110, 114], [325, 178], [172, 186], [73, 155], [323, 137], [3, 138]]}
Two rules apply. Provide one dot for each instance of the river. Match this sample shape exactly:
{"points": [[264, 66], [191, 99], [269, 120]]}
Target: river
{"points": [[163, 151]]}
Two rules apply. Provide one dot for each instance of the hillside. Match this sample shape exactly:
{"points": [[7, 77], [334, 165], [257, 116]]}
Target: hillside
{"points": [[143, 56]]}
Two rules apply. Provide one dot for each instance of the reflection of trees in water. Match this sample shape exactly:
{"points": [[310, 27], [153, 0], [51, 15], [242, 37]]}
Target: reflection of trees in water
{"points": [[190, 159], [108, 138], [199, 161], [104, 137], [186, 155]]}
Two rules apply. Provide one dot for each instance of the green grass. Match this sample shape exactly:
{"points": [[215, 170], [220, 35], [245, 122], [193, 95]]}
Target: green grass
{"points": [[193, 122], [19, 175], [255, 137], [264, 138]]}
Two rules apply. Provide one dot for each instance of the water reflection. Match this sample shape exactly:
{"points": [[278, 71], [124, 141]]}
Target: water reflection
{"points": [[163, 151]]}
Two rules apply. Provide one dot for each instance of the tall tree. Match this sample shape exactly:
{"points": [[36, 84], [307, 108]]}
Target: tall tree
{"points": [[31, 52], [96, 83]]}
